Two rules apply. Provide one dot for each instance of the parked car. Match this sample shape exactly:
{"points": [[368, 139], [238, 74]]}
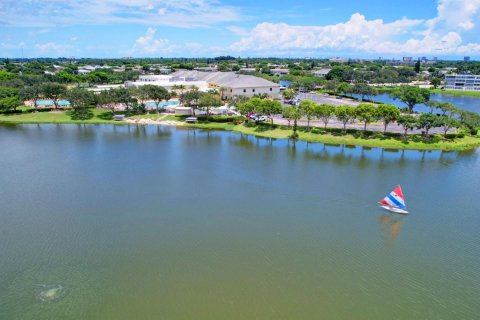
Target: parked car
{"points": [[260, 118]]}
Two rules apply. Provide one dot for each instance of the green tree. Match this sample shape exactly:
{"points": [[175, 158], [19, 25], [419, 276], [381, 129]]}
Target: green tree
{"points": [[366, 113], [447, 123], [207, 101], [190, 98], [290, 113], [54, 91], [427, 121], [363, 89], [80, 99], [4, 76], [471, 120], [32, 93], [157, 94], [109, 99], [411, 96], [125, 96], [344, 88], [288, 94], [408, 122], [449, 108], [222, 90], [325, 112], [307, 110], [388, 113], [270, 108], [433, 104], [417, 66], [10, 103], [435, 82], [244, 108], [345, 114]]}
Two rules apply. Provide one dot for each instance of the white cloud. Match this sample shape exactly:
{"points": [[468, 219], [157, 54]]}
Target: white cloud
{"points": [[457, 13], [178, 13], [11, 46], [355, 33], [441, 35], [238, 30], [147, 45], [51, 48]]}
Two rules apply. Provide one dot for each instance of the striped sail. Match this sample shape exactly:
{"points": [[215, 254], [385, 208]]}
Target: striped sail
{"points": [[395, 199]]}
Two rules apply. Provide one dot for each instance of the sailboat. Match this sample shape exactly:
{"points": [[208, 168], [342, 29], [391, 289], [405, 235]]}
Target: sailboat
{"points": [[395, 201]]}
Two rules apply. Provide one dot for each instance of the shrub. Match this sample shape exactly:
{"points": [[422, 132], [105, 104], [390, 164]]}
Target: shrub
{"points": [[220, 118]]}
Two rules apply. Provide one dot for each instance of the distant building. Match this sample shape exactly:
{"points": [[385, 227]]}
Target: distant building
{"points": [[407, 60], [321, 72], [280, 72], [462, 82], [466, 58], [341, 60], [207, 69], [169, 82], [248, 70]]}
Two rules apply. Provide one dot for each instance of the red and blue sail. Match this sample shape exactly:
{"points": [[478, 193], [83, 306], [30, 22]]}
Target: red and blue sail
{"points": [[395, 199]]}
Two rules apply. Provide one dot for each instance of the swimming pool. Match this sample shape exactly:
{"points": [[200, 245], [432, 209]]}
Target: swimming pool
{"points": [[163, 104], [50, 103]]}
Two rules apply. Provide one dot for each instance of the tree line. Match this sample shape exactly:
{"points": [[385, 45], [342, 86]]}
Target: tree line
{"points": [[450, 116], [133, 99]]}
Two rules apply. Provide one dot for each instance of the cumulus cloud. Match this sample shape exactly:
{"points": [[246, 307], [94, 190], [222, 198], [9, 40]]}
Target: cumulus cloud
{"points": [[457, 13], [148, 45], [441, 35], [178, 13]]}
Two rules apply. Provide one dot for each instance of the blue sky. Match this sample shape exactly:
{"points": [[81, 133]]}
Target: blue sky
{"points": [[192, 28]]}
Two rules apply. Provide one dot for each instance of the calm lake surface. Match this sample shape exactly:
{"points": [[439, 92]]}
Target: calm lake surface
{"points": [[462, 102], [126, 222]]}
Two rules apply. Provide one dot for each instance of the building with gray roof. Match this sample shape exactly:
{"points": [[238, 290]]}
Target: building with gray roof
{"points": [[233, 83]]}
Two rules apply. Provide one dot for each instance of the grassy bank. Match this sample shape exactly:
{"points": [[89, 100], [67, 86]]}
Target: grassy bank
{"points": [[457, 92], [94, 117], [376, 140], [415, 142]]}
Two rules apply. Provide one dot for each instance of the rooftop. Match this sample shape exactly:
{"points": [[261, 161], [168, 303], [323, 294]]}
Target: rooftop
{"points": [[226, 79]]}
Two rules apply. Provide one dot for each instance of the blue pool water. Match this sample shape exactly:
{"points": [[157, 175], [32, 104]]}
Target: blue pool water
{"points": [[163, 104], [50, 103]]}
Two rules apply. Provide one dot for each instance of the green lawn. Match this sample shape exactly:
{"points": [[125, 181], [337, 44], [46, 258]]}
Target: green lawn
{"points": [[96, 116], [457, 92], [151, 116]]}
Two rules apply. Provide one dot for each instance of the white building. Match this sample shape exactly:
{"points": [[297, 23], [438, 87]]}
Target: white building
{"points": [[280, 71], [462, 82], [169, 82], [321, 72], [231, 83]]}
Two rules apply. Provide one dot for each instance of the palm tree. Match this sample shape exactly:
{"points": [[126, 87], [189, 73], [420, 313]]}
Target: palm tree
{"points": [[222, 90]]}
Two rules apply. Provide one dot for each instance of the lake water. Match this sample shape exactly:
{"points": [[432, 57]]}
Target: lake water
{"points": [[462, 102], [127, 222]]}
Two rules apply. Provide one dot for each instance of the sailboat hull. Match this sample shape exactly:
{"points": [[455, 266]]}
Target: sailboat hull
{"points": [[396, 210]]}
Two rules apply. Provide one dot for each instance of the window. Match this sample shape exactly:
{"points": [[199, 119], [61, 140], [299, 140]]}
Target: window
{"points": [[231, 90], [244, 90], [271, 89], [253, 90]]}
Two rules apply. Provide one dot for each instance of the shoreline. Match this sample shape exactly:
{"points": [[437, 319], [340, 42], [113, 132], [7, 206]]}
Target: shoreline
{"points": [[414, 142]]}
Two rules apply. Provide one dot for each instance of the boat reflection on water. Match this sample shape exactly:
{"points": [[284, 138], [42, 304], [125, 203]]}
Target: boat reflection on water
{"points": [[391, 224]]}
